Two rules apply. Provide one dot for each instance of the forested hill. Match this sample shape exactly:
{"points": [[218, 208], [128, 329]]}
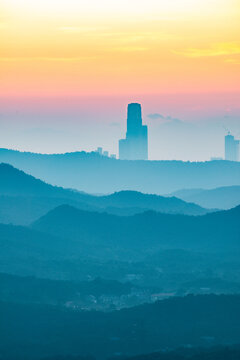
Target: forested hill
{"points": [[216, 231], [93, 173], [27, 331]]}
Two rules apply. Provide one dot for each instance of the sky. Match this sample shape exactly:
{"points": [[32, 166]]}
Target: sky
{"points": [[68, 69]]}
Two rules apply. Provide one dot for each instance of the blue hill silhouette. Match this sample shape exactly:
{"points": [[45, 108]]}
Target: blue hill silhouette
{"points": [[93, 173], [225, 197], [216, 231], [25, 198]]}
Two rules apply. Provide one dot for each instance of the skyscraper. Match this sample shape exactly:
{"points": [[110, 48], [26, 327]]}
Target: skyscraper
{"points": [[135, 145], [231, 148]]}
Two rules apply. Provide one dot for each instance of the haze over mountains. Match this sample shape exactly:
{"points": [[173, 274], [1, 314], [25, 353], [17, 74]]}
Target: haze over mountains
{"points": [[221, 198], [75, 267], [24, 199], [71, 230], [144, 231], [98, 174], [64, 244]]}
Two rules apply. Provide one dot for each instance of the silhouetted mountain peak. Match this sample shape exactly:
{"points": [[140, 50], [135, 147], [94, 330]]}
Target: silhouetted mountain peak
{"points": [[217, 231], [16, 182], [71, 216], [39, 197], [154, 202]]}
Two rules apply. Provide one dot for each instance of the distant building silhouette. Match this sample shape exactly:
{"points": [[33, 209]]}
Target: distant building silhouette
{"points": [[135, 146], [102, 152], [99, 150], [231, 148], [105, 153]]}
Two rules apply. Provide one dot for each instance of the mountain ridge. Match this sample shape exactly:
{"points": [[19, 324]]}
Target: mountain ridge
{"points": [[24, 198], [144, 229], [159, 177], [225, 197]]}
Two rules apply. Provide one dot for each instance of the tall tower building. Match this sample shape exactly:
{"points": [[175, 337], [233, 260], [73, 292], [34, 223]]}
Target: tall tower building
{"points": [[231, 148], [135, 145]]}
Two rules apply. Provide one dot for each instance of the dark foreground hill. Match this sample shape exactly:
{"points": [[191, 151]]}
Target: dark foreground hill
{"points": [[147, 231], [24, 199], [82, 294], [92, 173], [40, 331], [221, 198], [212, 353]]}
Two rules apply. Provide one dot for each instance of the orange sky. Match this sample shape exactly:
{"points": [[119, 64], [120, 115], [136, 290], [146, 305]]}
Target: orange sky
{"points": [[70, 47]]}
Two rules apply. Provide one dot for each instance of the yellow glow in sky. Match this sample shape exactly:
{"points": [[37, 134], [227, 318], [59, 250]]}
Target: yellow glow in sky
{"points": [[123, 7], [116, 47]]}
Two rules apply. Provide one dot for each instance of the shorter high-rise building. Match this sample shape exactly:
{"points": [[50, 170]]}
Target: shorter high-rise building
{"points": [[99, 150], [231, 148], [135, 145], [106, 153]]}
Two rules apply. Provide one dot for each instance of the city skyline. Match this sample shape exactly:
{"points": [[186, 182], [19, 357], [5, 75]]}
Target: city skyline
{"points": [[39, 127], [136, 138]]}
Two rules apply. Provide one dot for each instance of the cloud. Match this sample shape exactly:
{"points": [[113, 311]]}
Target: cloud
{"points": [[155, 116], [46, 58], [233, 61], [164, 119], [130, 48], [219, 49], [79, 29]]}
